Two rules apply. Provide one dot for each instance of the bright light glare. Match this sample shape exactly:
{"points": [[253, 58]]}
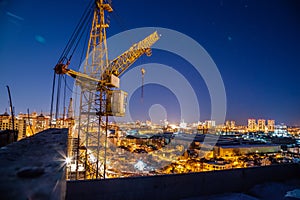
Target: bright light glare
{"points": [[68, 160], [173, 126]]}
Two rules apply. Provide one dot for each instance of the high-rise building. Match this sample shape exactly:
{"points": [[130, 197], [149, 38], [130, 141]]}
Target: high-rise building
{"points": [[5, 121], [22, 126], [261, 125], [30, 124], [210, 124], [271, 125], [41, 123], [27, 124], [251, 125], [232, 124], [229, 125]]}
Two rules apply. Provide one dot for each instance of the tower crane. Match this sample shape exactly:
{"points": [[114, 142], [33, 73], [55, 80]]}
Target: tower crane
{"points": [[115, 67], [99, 93]]}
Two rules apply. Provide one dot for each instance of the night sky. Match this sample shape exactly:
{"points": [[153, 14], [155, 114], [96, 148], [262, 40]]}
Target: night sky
{"points": [[255, 45]]}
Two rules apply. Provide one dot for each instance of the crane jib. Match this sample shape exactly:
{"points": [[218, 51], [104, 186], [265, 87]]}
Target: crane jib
{"points": [[122, 62], [148, 41], [118, 65]]}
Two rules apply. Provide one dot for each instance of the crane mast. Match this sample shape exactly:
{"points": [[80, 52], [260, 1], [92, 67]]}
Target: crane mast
{"points": [[99, 96], [91, 98]]}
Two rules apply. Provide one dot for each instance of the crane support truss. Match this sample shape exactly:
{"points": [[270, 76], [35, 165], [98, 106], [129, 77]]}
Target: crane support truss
{"points": [[96, 83], [89, 124]]}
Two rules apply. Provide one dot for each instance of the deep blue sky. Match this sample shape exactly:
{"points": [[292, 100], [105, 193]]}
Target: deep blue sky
{"points": [[255, 45]]}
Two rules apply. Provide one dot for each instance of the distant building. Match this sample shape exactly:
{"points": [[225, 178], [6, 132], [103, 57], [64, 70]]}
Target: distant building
{"points": [[27, 124], [232, 124], [165, 123], [182, 124], [210, 124], [22, 124], [252, 125], [242, 149], [30, 124], [41, 122], [261, 125], [271, 125], [281, 131], [229, 126], [5, 121]]}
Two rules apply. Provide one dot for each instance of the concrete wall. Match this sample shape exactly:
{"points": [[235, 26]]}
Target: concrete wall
{"points": [[33, 168], [180, 186]]}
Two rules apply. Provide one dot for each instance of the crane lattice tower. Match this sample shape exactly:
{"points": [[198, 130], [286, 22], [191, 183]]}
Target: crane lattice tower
{"points": [[92, 95]]}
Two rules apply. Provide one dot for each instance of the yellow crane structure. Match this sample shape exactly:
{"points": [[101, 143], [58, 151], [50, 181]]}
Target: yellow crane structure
{"points": [[99, 95]]}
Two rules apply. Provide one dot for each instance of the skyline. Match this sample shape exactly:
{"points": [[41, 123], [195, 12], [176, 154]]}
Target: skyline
{"points": [[259, 36]]}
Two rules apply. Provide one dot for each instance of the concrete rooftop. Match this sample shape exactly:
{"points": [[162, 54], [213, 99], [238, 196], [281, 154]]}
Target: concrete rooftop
{"points": [[33, 168]]}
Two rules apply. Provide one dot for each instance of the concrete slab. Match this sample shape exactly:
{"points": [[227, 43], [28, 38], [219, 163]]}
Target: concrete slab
{"points": [[33, 168]]}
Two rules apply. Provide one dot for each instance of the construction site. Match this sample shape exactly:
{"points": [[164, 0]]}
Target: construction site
{"points": [[81, 151]]}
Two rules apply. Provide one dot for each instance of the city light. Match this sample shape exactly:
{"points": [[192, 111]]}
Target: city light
{"points": [[140, 165], [131, 146]]}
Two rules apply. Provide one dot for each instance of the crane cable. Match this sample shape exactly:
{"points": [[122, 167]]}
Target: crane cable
{"points": [[58, 97], [74, 39], [69, 59], [78, 29], [124, 27], [143, 71]]}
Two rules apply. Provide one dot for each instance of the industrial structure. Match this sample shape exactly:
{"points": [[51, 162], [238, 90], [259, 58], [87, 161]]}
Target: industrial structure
{"points": [[99, 93]]}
